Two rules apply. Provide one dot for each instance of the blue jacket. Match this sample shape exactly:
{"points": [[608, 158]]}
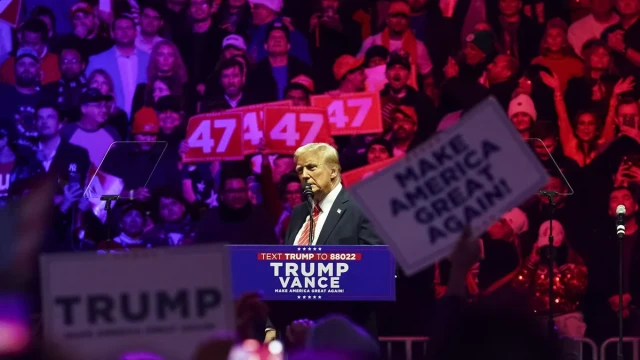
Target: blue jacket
{"points": [[108, 61], [299, 44]]}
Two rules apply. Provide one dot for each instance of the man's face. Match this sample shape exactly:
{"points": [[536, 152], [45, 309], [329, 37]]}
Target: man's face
{"points": [[313, 169], [132, 223], [622, 197], [32, 40], [377, 153], [146, 140], [472, 54], [497, 70], [171, 210], [398, 24], [261, 14], [541, 151], [277, 43], [293, 194], [231, 51], [96, 111], [47, 122], [86, 21], [150, 22], [509, 7], [71, 65], [628, 7], [101, 83], [330, 6], [628, 115], [404, 128], [555, 39], [358, 78], [398, 76], [298, 97], [168, 121], [124, 32], [232, 81], [235, 194], [200, 10], [27, 72]]}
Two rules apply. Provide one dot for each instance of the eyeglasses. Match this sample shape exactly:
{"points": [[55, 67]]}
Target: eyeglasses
{"points": [[70, 61]]}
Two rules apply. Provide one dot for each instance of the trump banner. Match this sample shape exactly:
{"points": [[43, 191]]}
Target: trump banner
{"points": [[466, 176], [163, 302], [320, 273]]}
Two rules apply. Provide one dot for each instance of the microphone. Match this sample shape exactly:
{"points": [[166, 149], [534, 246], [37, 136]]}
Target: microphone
{"points": [[621, 211], [308, 193]]}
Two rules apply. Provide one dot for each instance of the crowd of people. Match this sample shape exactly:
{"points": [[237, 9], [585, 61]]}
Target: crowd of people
{"points": [[72, 82]]}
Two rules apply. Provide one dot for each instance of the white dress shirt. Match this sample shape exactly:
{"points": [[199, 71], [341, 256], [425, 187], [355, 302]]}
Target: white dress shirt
{"points": [[128, 66], [325, 207]]}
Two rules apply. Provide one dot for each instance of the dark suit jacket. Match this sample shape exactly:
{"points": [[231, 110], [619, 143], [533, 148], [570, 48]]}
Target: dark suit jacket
{"points": [[345, 227]]}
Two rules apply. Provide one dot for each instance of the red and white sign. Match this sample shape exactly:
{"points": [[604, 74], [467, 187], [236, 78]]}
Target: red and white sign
{"points": [[352, 114], [354, 176], [288, 128], [215, 136], [10, 11], [253, 123]]}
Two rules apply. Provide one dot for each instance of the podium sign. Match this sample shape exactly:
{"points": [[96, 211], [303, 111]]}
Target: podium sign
{"points": [[317, 273]]}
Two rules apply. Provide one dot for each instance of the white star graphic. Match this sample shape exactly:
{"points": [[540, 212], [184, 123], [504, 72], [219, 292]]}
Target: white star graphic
{"points": [[314, 249], [319, 297], [304, 249], [298, 249], [319, 249], [314, 297], [304, 297], [298, 296]]}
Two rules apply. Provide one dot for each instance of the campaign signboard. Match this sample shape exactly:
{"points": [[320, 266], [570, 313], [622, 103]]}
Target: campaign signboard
{"points": [[155, 301], [353, 113], [468, 175], [316, 273]]}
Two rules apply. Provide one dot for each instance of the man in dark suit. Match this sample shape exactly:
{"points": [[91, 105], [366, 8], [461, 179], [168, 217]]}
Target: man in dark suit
{"points": [[338, 221]]}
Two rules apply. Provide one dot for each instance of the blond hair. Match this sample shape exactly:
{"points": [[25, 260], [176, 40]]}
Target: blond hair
{"points": [[329, 153]]}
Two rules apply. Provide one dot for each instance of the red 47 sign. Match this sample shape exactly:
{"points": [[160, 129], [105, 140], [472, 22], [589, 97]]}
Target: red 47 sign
{"points": [[354, 176], [288, 128], [216, 136], [352, 114], [253, 123]]}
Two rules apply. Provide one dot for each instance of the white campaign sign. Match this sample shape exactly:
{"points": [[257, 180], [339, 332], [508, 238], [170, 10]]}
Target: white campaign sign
{"points": [[157, 301], [472, 173]]}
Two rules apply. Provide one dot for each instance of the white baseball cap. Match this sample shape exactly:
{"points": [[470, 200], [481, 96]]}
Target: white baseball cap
{"points": [[236, 41]]}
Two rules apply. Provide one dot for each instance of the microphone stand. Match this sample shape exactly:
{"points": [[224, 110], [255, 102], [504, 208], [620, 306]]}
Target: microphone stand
{"points": [[551, 195], [107, 208], [620, 294]]}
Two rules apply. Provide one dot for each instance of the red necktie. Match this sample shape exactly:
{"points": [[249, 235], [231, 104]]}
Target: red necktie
{"points": [[304, 239]]}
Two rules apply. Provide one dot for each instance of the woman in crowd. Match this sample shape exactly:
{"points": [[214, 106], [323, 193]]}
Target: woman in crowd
{"points": [[117, 118]]}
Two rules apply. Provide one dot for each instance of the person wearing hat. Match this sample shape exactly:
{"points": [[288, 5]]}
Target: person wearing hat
{"points": [[397, 35], [233, 45], [35, 35], [375, 56], [90, 132], [86, 35], [479, 49], [126, 75], [299, 91], [265, 14], [133, 219], [170, 119], [349, 72], [280, 66], [405, 125], [522, 113]]}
